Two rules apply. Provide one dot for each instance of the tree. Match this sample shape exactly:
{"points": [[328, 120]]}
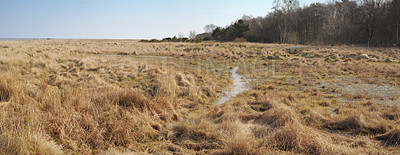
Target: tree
{"points": [[394, 16], [181, 35], [217, 34], [286, 6], [239, 28], [228, 34], [341, 22], [192, 34], [370, 22], [370, 15], [209, 28], [308, 23], [256, 29], [174, 39], [283, 10]]}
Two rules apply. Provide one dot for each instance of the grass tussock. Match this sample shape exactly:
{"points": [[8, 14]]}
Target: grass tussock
{"points": [[359, 124], [391, 138], [298, 139], [195, 135], [28, 143], [277, 117], [5, 92], [392, 113], [134, 100], [240, 141]]}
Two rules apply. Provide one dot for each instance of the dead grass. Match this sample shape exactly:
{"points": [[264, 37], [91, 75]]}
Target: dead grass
{"points": [[297, 139], [110, 97], [5, 92], [361, 124], [392, 113], [195, 136], [391, 138], [27, 143], [133, 99], [277, 117]]}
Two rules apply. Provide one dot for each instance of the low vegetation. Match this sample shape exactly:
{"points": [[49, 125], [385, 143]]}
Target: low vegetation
{"points": [[124, 97]]}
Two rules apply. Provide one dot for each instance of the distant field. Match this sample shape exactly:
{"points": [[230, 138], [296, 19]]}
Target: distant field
{"points": [[123, 96]]}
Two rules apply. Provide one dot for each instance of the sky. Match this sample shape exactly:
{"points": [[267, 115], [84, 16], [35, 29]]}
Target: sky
{"points": [[122, 19]]}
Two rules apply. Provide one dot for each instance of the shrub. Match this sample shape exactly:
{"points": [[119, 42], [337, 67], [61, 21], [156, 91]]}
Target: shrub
{"points": [[240, 40]]}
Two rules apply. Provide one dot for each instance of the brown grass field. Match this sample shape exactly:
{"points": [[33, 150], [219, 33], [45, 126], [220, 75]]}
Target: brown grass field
{"points": [[126, 97]]}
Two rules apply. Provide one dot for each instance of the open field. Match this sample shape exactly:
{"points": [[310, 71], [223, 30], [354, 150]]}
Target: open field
{"points": [[123, 97]]}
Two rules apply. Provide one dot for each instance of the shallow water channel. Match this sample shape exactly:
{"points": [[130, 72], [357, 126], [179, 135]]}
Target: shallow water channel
{"points": [[239, 85]]}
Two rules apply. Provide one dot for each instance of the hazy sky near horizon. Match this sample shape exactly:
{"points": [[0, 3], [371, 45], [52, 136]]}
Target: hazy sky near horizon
{"points": [[121, 18]]}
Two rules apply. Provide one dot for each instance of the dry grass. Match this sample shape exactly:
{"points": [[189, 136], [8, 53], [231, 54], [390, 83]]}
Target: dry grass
{"points": [[358, 124], [391, 138], [294, 138], [116, 97], [5, 93], [28, 143]]}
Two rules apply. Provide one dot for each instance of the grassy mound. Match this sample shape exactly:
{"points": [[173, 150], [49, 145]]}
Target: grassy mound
{"points": [[360, 125], [391, 138]]}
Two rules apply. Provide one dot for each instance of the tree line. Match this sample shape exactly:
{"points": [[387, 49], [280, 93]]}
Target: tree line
{"points": [[369, 22]]}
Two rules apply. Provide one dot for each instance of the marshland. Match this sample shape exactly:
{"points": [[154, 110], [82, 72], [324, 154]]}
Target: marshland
{"points": [[288, 77], [124, 96]]}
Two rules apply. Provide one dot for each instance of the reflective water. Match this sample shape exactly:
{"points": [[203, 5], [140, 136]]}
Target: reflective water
{"points": [[239, 85]]}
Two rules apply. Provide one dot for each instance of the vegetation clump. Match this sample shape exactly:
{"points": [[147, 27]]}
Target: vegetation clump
{"points": [[5, 92], [391, 138]]}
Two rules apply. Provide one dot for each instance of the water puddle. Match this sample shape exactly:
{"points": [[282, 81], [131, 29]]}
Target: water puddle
{"points": [[383, 94], [239, 85], [348, 91]]}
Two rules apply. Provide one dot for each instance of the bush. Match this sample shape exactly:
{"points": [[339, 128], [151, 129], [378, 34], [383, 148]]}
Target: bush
{"points": [[240, 40], [150, 41]]}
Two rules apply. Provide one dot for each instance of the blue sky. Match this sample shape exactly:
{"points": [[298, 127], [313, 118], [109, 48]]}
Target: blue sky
{"points": [[121, 18]]}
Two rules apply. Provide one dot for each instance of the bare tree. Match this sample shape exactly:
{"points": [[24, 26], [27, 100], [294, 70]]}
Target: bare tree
{"points": [[283, 10], [181, 35], [287, 6], [209, 28], [371, 14], [340, 20], [192, 34], [369, 22], [394, 17]]}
